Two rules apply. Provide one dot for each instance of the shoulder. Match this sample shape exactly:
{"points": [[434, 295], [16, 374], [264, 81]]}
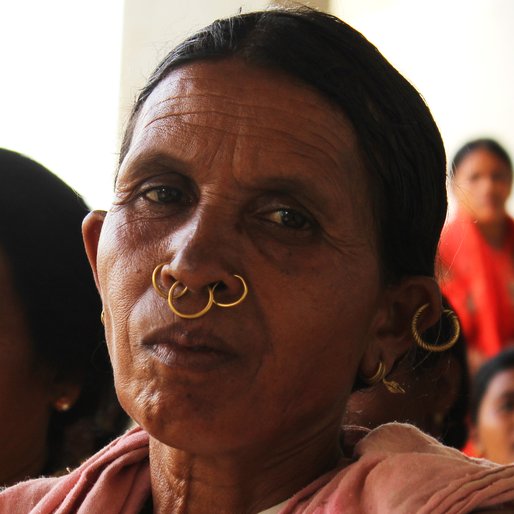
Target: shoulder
{"points": [[398, 469]]}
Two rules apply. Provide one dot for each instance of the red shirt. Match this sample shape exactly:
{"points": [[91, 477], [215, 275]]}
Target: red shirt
{"points": [[478, 280]]}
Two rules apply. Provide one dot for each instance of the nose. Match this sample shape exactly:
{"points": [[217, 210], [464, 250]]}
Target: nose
{"points": [[204, 253]]}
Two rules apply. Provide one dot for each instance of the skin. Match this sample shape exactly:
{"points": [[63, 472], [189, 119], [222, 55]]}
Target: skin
{"points": [[494, 431], [26, 392], [482, 185], [238, 170]]}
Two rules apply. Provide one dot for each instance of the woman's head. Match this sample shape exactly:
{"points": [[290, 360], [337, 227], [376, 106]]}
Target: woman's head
{"points": [[281, 147], [397, 138], [482, 180], [50, 320], [492, 408]]}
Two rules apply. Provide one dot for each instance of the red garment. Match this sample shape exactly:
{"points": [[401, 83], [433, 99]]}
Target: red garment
{"points": [[478, 280]]}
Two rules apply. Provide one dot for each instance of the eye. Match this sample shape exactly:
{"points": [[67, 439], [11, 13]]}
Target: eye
{"points": [[163, 194], [290, 218], [507, 405]]}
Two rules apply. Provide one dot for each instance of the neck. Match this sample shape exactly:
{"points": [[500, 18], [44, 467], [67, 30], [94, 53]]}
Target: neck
{"points": [[245, 481], [493, 233]]}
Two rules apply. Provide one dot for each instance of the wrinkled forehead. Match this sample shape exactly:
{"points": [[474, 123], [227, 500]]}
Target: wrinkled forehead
{"points": [[241, 99]]}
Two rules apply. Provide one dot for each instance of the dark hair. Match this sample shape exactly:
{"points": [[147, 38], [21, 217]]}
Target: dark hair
{"points": [[490, 145], [40, 235], [399, 141], [502, 362]]}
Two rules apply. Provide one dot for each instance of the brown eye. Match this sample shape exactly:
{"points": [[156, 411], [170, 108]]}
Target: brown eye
{"points": [[164, 194], [290, 219]]}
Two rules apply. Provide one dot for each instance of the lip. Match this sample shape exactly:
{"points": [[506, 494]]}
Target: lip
{"points": [[191, 349]]}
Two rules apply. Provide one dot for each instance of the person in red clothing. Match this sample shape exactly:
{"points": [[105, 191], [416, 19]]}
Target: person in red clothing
{"points": [[477, 250]]}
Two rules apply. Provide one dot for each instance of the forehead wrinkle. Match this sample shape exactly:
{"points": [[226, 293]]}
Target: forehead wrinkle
{"points": [[256, 113], [298, 144]]}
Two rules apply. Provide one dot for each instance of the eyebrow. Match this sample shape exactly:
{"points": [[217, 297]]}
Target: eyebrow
{"points": [[507, 395], [159, 160], [167, 162]]}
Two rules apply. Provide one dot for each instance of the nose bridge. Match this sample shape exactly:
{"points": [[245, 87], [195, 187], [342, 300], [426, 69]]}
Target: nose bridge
{"points": [[202, 251]]}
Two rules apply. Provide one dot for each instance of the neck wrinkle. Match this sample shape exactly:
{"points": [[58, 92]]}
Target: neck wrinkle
{"points": [[190, 484]]}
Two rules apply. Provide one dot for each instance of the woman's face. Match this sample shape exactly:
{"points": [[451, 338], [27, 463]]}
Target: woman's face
{"points": [[482, 186], [237, 170], [495, 423], [25, 392]]}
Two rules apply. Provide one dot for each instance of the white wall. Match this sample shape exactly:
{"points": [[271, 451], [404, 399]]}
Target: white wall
{"points": [[152, 28], [59, 88], [458, 53], [63, 63]]}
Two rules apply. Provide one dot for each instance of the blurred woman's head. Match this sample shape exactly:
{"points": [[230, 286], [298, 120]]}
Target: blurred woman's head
{"points": [[54, 369], [482, 180], [492, 408]]}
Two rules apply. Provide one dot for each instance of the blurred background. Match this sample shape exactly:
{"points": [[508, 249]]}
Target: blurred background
{"points": [[70, 70]]}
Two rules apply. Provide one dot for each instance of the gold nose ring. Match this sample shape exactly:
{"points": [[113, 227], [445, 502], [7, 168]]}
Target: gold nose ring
{"points": [[238, 301], [198, 314], [157, 287], [172, 295]]}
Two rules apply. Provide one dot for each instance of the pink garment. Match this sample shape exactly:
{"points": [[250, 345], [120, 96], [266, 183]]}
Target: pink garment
{"points": [[116, 480], [398, 470]]}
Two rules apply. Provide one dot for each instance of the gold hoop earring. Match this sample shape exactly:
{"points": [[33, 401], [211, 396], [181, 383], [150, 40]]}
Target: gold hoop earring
{"points": [[102, 317], [198, 314], [156, 286], [239, 300], [391, 385], [433, 347]]}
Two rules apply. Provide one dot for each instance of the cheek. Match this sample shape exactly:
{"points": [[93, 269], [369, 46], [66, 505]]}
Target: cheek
{"points": [[318, 330], [494, 432]]}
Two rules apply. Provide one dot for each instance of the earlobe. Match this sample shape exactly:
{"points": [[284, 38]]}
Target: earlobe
{"points": [[91, 230]]}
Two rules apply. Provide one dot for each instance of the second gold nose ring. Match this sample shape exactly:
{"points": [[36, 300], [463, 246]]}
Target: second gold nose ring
{"points": [[172, 295]]}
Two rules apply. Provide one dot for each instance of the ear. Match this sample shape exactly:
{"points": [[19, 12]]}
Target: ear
{"points": [[391, 334], [91, 230]]}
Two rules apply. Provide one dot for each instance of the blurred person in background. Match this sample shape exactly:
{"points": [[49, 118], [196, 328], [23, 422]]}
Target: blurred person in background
{"points": [[492, 409], [57, 401], [476, 252]]}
